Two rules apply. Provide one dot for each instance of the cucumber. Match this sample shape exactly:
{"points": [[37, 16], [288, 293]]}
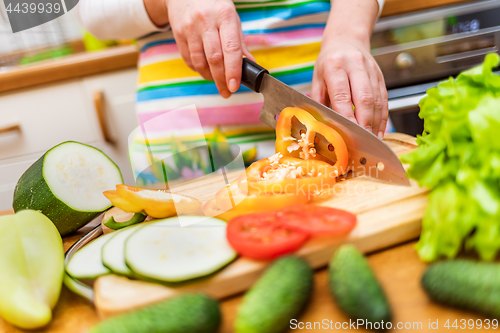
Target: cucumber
{"points": [[355, 287], [189, 313], [113, 252], [66, 185], [86, 263], [466, 284], [164, 251], [115, 218], [276, 298]]}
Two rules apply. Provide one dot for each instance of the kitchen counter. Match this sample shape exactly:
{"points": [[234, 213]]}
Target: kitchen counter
{"points": [[126, 56], [398, 269]]}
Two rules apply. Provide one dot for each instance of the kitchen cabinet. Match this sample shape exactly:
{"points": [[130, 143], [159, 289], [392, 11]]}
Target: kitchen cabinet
{"points": [[32, 120], [114, 94]]}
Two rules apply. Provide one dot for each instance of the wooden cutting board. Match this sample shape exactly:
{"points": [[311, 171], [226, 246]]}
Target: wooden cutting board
{"points": [[387, 215]]}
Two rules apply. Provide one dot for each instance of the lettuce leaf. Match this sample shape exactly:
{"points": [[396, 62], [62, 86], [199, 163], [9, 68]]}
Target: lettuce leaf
{"points": [[458, 158]]}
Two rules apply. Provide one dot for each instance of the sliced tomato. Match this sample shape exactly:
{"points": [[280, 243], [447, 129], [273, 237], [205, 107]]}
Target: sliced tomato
{"points": [[262, 236], [317, 220]]}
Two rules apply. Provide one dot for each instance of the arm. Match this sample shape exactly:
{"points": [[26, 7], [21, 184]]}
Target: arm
{"points": [[345, 72], [120, 19]]}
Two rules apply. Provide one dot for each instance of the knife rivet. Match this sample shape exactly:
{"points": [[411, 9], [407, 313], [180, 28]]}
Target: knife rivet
{"points": [[331, 147], [380, 166], [362, 160]]}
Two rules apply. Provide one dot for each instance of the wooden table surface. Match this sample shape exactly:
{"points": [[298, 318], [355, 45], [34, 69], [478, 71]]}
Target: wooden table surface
{"points": [[398, 269]]}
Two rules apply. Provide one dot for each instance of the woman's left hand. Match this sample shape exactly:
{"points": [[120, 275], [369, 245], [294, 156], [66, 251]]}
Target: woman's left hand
{"points": [[346, 74]]}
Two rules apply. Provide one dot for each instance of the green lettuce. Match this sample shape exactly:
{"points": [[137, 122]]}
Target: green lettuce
{"points": [[458, 158]]}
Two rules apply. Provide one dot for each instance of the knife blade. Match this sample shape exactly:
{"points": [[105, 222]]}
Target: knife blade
{"points": [[368, 155]]}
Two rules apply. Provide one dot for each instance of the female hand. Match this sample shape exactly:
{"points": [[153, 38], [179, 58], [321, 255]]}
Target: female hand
{"points": [[209, 37], [346, 74], [345, 71]]}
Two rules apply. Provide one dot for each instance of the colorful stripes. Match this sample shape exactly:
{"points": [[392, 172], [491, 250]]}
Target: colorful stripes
{"points": [[269, 57], [284, 36]]}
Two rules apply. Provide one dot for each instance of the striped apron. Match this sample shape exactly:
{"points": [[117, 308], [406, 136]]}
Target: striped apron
{"points": [[284, 36]]}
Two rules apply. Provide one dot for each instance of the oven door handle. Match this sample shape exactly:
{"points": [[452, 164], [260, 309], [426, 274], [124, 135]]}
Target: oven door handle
{"points": [[402, 103]]}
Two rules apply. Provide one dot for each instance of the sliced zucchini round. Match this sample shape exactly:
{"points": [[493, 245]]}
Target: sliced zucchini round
{"points": [[165, 251], [113, 252], [86, 263], [66, 184]]}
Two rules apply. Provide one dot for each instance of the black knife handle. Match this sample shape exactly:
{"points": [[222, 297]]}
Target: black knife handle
{"points": [[252, 75]]}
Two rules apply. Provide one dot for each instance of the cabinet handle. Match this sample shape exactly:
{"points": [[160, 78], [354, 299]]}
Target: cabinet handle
{"points": [[101, 116], [10, 128]]}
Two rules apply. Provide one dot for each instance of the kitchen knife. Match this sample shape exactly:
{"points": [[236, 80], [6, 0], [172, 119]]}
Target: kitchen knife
{"points": [[368, 155]]}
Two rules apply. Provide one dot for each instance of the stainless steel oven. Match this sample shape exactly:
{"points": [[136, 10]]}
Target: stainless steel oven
{"points": [[416, 51]]}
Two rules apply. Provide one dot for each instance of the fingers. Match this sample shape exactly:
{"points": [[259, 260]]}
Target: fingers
{"points": [[215, 59], [385, 107], [183, 47], [319, 91], [362, 97], [230, 38], [198, 58], [246, 53], [377, 97], [339, 92]]}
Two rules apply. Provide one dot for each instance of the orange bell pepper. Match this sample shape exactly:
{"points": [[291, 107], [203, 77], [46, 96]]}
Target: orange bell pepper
{"points": [[304, 147], [230, 202], [288, 175], [155, 203]]}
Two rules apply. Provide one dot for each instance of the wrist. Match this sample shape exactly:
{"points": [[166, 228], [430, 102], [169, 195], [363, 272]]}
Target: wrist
{"points": [[336, 34], [351, 21], [157, 11]]}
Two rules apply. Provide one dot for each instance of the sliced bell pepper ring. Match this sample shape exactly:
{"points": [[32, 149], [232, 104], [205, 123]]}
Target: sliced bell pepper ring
{"points": [[304, 148], [232, 197], [288, 175], [155, 203], [230, 202]]}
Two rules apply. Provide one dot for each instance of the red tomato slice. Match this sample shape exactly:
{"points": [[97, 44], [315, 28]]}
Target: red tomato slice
{"points": [[261, 236], [317, 220]]}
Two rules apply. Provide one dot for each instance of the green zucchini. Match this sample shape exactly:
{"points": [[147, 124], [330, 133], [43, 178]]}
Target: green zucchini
{"points": [[164, 251], [113, 252], [86, 263], [66, 185]]}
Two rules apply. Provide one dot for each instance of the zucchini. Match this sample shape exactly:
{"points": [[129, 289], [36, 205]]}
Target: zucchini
{"points": [[113, 252], [164, 251], [86, 263], [116, 219], [66, 185]]}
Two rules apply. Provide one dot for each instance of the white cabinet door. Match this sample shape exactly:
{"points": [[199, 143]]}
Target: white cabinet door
{"points": [[10, 171], [35, 119], [118, 91]]}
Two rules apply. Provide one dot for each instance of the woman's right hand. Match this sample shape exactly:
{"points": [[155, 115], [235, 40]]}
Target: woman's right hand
{"points": [[209, 37]]}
